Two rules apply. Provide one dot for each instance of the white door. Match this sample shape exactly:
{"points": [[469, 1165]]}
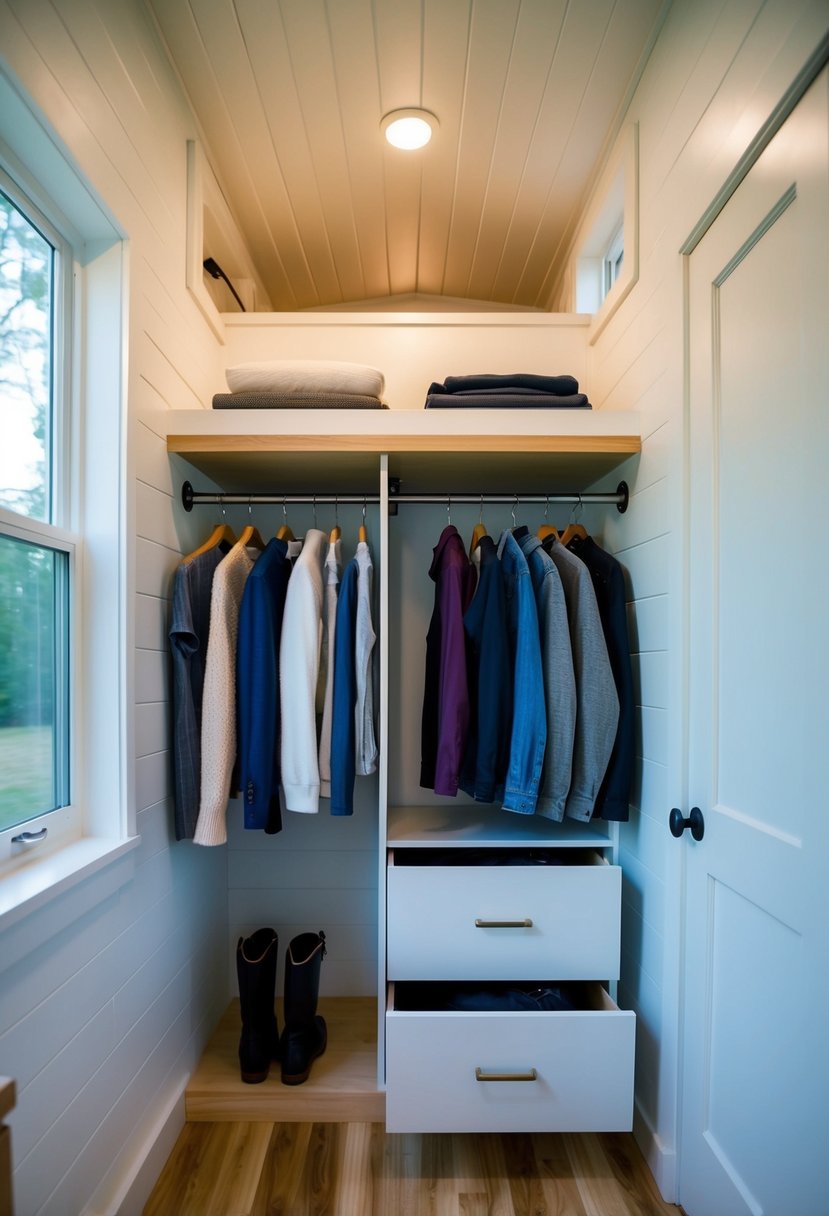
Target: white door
{"points": [[755, 1096]]}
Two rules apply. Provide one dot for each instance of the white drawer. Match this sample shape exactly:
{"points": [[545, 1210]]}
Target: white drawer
{"points": [[441, 1069], [443, 921]]}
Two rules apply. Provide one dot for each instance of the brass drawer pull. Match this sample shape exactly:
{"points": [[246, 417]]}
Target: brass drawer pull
{"points": [[480, 1075], [503, 924]]}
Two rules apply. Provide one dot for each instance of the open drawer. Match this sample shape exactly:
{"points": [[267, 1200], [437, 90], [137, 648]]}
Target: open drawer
{"points": [[488, 1072], [456, 922]]}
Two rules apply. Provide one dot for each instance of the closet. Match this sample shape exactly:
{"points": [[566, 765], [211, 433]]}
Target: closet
{"points": [[453, 907]]}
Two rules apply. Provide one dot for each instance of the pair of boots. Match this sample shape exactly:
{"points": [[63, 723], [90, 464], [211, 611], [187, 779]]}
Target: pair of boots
{"points": [[305, 1035]]}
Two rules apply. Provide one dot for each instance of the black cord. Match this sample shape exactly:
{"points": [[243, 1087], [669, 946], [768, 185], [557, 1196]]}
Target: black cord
{"points": [[215, 271]]}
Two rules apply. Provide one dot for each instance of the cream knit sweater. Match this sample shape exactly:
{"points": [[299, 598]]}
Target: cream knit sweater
{"points": [[218, 726]]}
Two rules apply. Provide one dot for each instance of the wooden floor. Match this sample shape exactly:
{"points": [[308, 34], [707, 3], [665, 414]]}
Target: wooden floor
{"points": [[321, 1149], [358, 1169], [342, 1085]]}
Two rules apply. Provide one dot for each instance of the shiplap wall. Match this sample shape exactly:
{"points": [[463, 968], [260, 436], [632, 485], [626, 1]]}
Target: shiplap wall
{"points": [[108, 993], [716, 73]]}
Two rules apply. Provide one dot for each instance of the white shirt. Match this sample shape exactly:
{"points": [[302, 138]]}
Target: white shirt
{"points": [[299, 662]]}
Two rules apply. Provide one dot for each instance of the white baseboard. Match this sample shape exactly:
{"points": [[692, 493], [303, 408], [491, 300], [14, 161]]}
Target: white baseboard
{"points": [[127, 1193], [661, 1161]]}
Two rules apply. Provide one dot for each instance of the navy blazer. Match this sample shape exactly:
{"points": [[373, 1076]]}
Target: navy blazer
{"points": [[257, 687]]}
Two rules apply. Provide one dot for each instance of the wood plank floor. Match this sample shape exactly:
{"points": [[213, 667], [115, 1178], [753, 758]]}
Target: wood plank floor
{"points": [[342, 1085], [358, 1169]]}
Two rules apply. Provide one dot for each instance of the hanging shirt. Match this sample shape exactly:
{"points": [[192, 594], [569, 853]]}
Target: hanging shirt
{"points": [[218, 733], [325, 689], [445, 718], [489, 669], [257, 687], [557, 673], [365, 747], [299, 658], [597, 703], [528, 737], [344, 727], [613, 802], [189, 632]]}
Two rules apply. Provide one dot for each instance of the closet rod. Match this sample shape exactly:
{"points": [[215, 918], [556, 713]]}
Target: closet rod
{"points": [[190, 498]]}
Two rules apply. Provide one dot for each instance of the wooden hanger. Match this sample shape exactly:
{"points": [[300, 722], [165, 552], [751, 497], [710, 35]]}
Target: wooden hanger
{"points": [[336, 532], [362, 535], [573, 529], [221, 534], [546, 529], [285, 532], [252, 536], [479, 531]]}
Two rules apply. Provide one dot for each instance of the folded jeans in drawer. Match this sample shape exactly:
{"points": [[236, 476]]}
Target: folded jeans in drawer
{"points": [[487, 1072], [492, 922]]}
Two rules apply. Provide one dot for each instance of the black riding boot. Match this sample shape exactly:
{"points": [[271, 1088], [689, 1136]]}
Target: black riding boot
{"points": [[305, 1035], [256, 958]]}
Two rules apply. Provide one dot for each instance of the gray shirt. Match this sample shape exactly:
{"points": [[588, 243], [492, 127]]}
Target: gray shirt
{"points": [[597, 702], [189, 628]]}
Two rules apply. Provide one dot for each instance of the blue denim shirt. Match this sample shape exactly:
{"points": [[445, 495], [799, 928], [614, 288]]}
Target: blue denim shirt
{"points": [[529, 723]]}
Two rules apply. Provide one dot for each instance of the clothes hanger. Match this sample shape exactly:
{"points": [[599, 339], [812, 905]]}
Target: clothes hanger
{"points": [[285, 532], [573, 529], [362, 535], [336, 531], [514, 508], [479, 531], [546, 529], [251, 535], [222, 534]]}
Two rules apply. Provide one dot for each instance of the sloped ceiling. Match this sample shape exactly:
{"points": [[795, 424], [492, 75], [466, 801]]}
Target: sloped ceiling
{"points": [[290, 93]]}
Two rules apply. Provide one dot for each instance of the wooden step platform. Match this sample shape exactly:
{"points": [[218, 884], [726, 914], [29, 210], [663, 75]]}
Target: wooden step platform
{"points": [[342, 1087]]}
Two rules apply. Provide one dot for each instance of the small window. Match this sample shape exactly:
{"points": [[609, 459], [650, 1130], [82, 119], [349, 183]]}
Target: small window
{"points": [[36, 551], [613, 259]]}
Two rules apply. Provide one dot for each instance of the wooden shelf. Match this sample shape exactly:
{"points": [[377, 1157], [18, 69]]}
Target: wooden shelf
{"points": [[342, 1087], [473, 826], [430, 450]]}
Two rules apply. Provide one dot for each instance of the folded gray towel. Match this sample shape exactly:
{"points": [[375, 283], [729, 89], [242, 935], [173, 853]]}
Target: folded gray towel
{"points": [[296, 401]]}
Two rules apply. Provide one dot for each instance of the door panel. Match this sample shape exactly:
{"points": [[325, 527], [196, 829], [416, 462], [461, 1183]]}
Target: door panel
{"points": [[755, 1066]]}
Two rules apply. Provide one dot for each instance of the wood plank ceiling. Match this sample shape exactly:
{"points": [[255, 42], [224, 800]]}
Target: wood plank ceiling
{"points": [[289, 95]]}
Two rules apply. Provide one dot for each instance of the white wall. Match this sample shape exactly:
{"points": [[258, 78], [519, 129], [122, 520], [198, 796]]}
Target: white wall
{"points": [[108, 993], [716, 73]]}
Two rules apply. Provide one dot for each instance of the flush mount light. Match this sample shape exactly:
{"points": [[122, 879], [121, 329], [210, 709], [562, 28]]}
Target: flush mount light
{"points": [[408, 129]]}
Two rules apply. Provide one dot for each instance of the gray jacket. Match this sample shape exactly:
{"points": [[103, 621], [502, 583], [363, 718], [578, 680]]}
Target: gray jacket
{"points": [[597, 713]]}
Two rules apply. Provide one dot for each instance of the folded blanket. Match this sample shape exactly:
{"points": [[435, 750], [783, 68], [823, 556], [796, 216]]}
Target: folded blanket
{"points": [[305, 376], [296, 401], [506, 400], [559, 386]]}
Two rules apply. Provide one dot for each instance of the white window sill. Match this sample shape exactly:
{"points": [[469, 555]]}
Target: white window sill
{"points": [[28, 889]]}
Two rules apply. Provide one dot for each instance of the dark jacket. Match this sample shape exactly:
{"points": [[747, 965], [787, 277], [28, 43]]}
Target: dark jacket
{"points": [[445, 719], [257, 687], [490, 682]]}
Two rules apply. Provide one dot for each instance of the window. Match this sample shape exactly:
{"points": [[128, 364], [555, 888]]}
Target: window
{"points": [[607, 250], [64, 661], [36, 554], [613, 259]]}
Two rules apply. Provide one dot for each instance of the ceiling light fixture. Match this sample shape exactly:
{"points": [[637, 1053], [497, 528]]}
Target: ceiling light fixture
{"points": [[408, 129]]}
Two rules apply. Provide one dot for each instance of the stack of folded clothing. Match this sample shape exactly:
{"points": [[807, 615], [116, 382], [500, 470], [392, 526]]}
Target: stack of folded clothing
{"points": [[519, 391], [300, 384]]}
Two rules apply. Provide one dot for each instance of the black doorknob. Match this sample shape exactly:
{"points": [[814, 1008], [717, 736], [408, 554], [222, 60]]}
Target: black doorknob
{"points": [[694, 821]]}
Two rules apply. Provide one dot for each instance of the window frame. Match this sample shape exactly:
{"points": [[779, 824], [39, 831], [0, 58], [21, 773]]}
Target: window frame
{"points": [[96, 515]]}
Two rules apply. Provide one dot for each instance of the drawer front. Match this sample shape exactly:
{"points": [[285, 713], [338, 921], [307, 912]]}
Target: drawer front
{"points": [[444, 1070], [469, 922]]}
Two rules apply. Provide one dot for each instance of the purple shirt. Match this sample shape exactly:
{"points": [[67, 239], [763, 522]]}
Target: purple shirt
{"points": [[445, 719]]}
